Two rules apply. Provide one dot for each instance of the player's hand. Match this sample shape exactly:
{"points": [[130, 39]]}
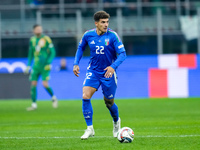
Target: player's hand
{"points": [[47, 67], [26, 71], [76, 70], [109, 72]]}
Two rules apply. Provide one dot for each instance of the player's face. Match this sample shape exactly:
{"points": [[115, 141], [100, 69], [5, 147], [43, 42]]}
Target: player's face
{"points": [[37, 31], [102, 26]]}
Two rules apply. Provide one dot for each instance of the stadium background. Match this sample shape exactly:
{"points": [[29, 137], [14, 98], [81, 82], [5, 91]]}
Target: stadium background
{"points": [[161, 38]]}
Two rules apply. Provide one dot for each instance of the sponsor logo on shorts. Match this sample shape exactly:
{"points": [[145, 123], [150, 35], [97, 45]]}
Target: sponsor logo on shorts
{"points": [[111, 96]]}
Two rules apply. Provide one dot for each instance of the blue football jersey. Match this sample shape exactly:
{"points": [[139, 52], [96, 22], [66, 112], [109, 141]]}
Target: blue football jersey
{"points": [[103, 49]]}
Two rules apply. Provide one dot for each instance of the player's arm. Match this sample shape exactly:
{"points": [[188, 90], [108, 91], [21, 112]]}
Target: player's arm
{"points": [[111, 69], [121, 57], [52, 53], [79, 54], [76, 70], [30, 58], [119, 48]]}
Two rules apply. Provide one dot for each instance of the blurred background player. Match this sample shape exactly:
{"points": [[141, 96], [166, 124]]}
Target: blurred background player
{"points": [[63, 64], [104, 45], [42, 52]]}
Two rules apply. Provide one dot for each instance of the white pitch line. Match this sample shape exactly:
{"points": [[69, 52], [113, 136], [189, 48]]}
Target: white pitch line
{"points": [[52, 131], [71, 137], [160, 136], [30, 123], [48, 123], [173, 127], [45, 123], [107, 129]]}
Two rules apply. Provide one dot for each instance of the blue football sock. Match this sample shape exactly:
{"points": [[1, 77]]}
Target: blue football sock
{"points": [[87, 111], [114, 112]]}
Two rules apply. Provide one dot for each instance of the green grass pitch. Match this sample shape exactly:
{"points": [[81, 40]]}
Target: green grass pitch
{"points": [[158, 124]]}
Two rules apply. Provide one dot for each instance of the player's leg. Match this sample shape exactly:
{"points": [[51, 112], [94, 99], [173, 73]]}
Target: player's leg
{"points": [[47, 88], [34, 91], [109, 87], [88, 111], [86, 104], [113, 108], [33, 77], [90, 86], [45, 83]]}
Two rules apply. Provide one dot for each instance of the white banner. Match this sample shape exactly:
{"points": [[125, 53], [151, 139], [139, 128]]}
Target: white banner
{"points": [[189, 27]]}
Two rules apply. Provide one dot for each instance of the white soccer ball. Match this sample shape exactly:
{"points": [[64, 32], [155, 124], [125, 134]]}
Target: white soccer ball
{"points": [[125, 135]]}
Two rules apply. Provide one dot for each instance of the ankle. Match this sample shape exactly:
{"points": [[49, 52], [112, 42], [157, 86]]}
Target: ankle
{"points": [[34, 105], [90, 127]]}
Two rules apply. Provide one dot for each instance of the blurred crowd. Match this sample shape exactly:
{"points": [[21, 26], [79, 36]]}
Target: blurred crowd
{"points": [[131, 10], [38, 2], [41, 2]]}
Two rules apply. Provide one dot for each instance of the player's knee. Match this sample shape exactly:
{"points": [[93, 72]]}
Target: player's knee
{"points": [[86, 96], [109, 102], [34, 83], [45, 84]]}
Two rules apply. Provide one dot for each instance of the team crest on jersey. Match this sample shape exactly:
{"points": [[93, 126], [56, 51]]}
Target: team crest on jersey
{"points": [[106, 42], [41, 42]]}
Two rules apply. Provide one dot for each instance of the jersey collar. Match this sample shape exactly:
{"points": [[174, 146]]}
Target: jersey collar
{"points": [[102, 34]]}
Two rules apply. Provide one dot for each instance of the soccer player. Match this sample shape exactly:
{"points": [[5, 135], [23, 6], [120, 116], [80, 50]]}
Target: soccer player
{"points": [[104, 45], [42, 52]]}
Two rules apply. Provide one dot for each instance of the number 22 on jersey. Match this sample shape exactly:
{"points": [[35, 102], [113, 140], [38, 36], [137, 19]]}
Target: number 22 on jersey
{"points": [[99, 49]]}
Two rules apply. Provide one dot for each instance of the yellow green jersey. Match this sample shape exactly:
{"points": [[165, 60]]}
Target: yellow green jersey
{"points": [[41, 51]]}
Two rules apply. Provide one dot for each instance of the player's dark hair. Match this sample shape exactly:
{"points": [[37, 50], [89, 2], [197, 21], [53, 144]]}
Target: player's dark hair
{"points": [[101, 15], [36, 25]]}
